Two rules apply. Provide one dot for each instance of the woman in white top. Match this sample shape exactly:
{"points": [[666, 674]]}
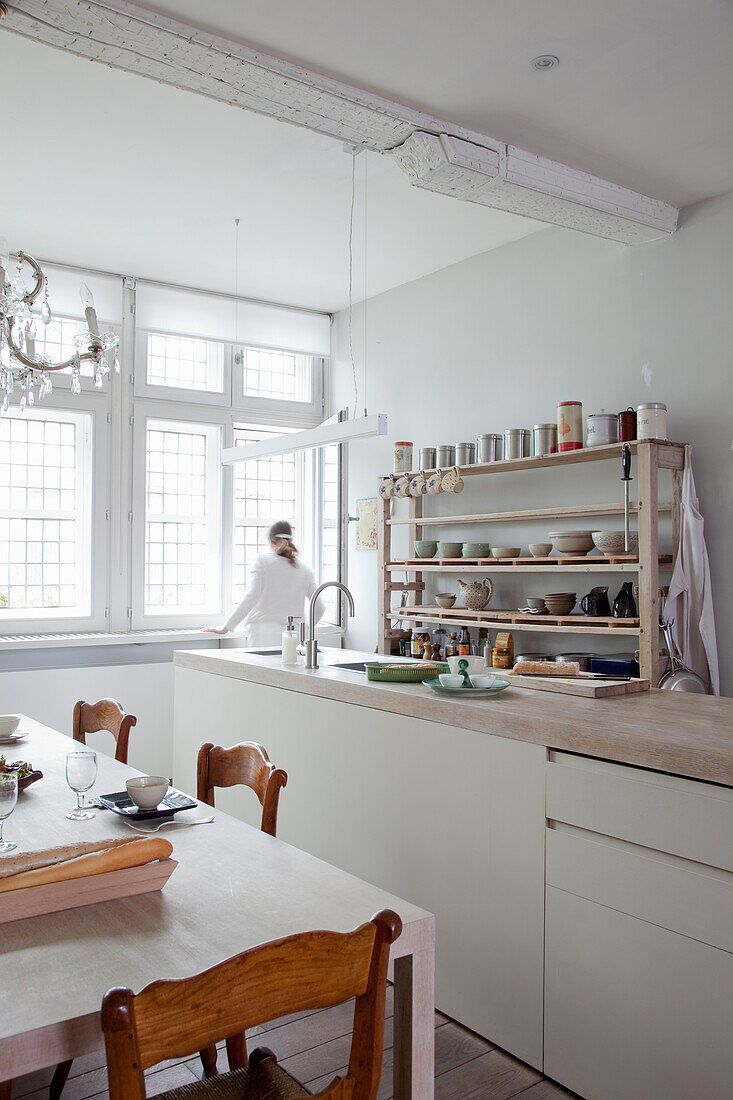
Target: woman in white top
{"points": [[279, 585]]}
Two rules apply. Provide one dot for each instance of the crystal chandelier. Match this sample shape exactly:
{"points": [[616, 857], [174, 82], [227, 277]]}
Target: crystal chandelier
{"points": [[19, 364]]}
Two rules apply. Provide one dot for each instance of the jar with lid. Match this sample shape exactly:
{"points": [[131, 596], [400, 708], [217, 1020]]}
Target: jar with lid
{"points": [[426, 457], [488, 447], [544, 439], [651, 420], [627, 425], [503, 652], [465, 454], [446, 456], [402, 458], [516, 443], [451, 646], [570, 426], [601, 428]]}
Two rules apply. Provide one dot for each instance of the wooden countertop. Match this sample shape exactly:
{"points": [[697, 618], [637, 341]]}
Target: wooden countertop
{"points": [[687, 735]]}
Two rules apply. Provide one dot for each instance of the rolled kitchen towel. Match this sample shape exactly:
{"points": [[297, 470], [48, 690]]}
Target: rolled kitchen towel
{"points": [[132, 853]]}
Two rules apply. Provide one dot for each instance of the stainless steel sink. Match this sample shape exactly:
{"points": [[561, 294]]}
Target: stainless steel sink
{"points": [[265, 652], [349, 666]]}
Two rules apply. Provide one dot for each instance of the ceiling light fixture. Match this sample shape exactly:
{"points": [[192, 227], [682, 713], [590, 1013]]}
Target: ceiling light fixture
{"points": [[545, 62], [331, 431]]}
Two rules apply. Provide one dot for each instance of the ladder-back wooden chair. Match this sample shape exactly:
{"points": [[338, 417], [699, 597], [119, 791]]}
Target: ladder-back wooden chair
{"points": [[309, 971], [107, 714]]}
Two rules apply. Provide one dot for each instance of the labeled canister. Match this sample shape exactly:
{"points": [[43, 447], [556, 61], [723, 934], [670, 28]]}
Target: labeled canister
{"points": [[516, 443], [402, 459], [544, 438], [427, 458], [651, 421], [627, 425], [465, 454], [570, 426], [488, 447], [601, 428], [446, 456]]}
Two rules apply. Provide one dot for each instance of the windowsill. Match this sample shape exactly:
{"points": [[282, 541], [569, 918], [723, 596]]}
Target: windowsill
{"points": [[47, 640]]}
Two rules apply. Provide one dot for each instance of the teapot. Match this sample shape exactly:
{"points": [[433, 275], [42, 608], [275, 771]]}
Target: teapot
{"points": [[476, 594]]}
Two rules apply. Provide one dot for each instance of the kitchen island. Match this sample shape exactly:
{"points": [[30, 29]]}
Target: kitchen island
{"points": [[577, 853]]}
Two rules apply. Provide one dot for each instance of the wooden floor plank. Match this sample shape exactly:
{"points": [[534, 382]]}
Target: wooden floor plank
{"points": [[547, 1090], [492, 1076]]}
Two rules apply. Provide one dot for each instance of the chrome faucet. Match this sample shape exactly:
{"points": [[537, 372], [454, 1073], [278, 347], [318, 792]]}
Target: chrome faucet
{"points": [[311, 646]]}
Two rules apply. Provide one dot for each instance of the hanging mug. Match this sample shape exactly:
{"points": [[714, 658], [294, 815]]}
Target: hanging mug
{"points": [[418, 485], [452, 481], [435, 483], [402, 487], [387, 488]]}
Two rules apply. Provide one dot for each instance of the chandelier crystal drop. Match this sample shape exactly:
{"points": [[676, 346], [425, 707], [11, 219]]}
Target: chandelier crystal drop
{"points": [[20, 367]]}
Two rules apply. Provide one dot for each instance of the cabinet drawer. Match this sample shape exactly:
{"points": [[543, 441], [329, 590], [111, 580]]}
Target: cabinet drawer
{"points": [[685, 897], [684, 817]]}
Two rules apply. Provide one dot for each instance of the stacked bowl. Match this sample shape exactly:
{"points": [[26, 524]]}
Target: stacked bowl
{"points": [[560, 603]]}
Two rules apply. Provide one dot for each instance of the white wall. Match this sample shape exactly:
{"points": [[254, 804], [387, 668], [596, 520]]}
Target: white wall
{"points": [[497, 340], [146, 690]]}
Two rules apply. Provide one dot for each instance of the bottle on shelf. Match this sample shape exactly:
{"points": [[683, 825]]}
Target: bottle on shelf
{"points": [[464, 643], [451, 646], [503, 652]]}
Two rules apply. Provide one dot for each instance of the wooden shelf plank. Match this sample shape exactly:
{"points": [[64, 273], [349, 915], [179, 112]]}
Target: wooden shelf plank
{"points": [[670, 456], [565, 512], [614, 563], [572, 624]]}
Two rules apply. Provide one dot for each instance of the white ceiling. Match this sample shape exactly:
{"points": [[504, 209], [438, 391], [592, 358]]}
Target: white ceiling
{"points": [[642, 96], [172, 170]]}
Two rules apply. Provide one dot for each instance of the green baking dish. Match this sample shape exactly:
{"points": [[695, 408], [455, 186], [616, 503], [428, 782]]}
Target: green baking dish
{"points": [[404, 674]]}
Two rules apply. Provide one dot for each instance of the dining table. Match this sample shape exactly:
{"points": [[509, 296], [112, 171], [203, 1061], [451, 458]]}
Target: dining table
{"points": [[234, 887]]}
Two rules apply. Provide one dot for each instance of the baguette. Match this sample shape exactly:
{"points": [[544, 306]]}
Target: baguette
{"points": [[546, 668], [137, 852], [47, 857]]}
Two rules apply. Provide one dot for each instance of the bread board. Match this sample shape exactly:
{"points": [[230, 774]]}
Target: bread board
{"points": [[587, 687], [34, 901]]}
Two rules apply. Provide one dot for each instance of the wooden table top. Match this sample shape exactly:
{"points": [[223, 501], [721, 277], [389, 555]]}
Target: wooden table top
{"points": [[687, 735], [234, 887]]}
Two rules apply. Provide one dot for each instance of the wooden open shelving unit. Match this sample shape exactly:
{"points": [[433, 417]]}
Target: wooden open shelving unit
{"points": [[651, 456]]}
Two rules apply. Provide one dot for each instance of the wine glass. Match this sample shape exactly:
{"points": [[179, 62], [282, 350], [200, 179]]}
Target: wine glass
{"points": [[8, 800], [81, 772]]}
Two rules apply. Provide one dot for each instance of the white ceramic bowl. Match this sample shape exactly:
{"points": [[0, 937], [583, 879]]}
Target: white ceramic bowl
{"points": [[571, 542], [506, 551], [612, 542], [147, 791], [450, 681], [8, 724], [483, 680], [475, 664]]}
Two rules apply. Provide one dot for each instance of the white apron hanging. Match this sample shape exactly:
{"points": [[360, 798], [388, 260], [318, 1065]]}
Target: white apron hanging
{"points": [[689, 604]]}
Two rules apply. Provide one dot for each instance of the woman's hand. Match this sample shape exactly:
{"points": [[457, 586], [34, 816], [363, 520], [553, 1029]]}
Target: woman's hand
{"points": [[215, 630]]}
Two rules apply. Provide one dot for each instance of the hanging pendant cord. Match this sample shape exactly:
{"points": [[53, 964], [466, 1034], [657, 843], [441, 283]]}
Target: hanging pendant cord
{"points": [[351, 278]]}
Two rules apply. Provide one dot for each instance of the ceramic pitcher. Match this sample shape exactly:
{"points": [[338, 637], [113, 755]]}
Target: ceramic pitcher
{"points": [[476, 594]]}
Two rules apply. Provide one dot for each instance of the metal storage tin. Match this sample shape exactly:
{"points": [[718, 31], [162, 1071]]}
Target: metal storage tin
{"points": [[446, 456], [570, 426], [601, 428], [488, 448], [651, 421], [402, 463], [627, 425], [427, 458], [465, 454], [516, 443], [544, 439]]}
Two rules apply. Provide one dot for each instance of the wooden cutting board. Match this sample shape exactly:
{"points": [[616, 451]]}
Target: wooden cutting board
{"points": [[588, 687]]}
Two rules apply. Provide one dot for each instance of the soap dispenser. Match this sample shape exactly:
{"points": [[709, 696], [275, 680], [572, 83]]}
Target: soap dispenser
{"points": [[289, 643]]}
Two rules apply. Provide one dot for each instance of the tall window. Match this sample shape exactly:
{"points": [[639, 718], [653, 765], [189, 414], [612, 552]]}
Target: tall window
{"points": [[282, 375], [265, 490], [45, 514], [182, 518], [185, 362]]}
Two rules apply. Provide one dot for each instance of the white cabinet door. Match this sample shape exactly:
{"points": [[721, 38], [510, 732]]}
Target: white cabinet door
{"points": [[449, 818], [632, 1009]]}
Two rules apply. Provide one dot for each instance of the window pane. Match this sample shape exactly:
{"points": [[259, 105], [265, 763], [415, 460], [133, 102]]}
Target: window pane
{"points": [[264, 491], [329, 533], [282, 375], [181, 510], [45, 515], [56, 340], [184, 362]]}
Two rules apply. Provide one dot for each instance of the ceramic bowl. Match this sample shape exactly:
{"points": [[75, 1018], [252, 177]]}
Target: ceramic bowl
{"points": [[8, 724], [560, 603], [425, 549], [535, 602], [450, 549], [448, 680], [540, 549], [147, 791], [506, 551], [612, 542], [482, 680], [475, 664], [445, 599], [571, 542], [476, 549]]}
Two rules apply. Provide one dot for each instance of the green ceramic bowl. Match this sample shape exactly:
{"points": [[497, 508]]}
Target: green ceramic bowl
{"points": [[425, 549], [476, 549], [450, 549]]}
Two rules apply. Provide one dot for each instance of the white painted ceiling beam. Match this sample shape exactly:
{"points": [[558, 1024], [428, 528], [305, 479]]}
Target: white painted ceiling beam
{"points": [[434, 153]]}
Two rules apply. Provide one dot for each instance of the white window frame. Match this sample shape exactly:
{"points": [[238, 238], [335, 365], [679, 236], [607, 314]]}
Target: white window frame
{"points": [[179, 394], [218, 521], [272, 409], [61, 380], [95, 564]]}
